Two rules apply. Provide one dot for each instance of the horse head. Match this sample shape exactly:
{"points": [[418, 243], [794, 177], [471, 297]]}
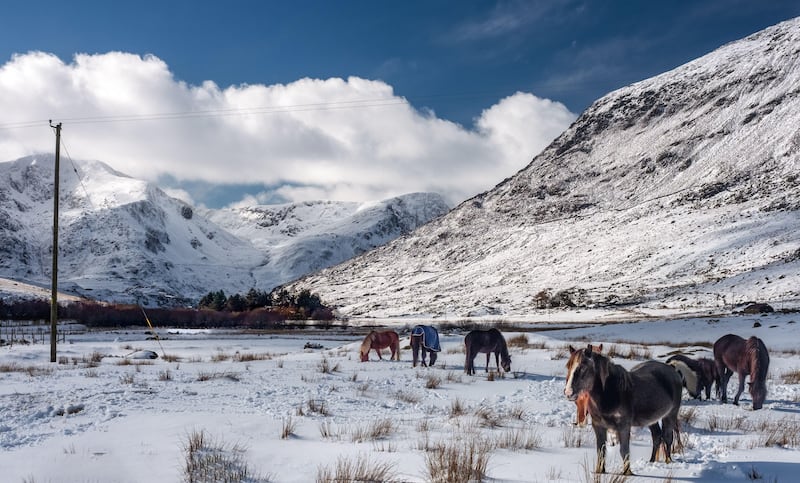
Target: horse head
{"points": [[758, 391], [584, 367], [505, 362]]}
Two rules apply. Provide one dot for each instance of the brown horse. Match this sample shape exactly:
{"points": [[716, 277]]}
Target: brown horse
{"points": [[734, 354], [486, 341], [620, 399], [380, 340], [582, 402]]}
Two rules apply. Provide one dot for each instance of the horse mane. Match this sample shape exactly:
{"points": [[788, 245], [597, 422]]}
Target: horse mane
{"points": [[367, 342]]}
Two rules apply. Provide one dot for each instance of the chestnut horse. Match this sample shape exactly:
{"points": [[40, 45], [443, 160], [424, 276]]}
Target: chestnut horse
{"points": [[380, 340], [486, 341], [734, 354], [424, 338], [620, 399], [582, 402]]}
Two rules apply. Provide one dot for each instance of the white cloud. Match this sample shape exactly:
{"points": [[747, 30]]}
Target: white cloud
{"points": [[336, 138]]}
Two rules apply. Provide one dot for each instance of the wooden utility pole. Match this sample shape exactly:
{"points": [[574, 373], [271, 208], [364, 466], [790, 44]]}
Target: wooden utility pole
{"points": [[54, 286]]}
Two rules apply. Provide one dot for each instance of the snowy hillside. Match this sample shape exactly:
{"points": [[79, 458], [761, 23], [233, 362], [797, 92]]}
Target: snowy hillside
{"points": [[302, 238], [682, 189], [122, 239]]}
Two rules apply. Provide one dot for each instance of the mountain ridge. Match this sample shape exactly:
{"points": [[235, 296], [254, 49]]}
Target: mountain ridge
{"points": [[125, 240], [680, 189]]}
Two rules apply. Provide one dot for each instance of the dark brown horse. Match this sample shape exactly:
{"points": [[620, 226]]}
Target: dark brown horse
{"points": [[426, 339], [734, 354], [620, 399], [380, 340], [486, 341], [706, 371]]}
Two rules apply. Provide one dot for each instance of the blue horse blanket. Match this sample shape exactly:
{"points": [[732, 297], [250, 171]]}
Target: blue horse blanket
{"points": [[430, 337]]}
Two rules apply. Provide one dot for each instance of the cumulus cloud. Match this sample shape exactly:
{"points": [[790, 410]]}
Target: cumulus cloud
{"points": [[349, 139]]}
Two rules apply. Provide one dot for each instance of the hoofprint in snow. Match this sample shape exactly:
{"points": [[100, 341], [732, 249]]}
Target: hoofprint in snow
{"points": [[122, 419]]}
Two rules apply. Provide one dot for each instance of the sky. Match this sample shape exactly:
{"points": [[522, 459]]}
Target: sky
{"points": [[252, 102]]}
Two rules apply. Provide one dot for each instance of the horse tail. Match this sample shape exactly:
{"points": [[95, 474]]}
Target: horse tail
{"points": [[396, 344], [759, 359]]}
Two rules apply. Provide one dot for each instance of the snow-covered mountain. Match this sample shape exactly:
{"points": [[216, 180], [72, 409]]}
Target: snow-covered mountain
{"points": [[682, 189], [123, 239]]}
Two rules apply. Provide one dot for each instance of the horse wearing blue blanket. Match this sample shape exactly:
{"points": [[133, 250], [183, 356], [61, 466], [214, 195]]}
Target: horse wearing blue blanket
{"points": [[426, 338]]}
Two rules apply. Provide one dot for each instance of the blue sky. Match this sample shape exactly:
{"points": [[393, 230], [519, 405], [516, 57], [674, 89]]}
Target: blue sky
{"points": [[442, 61]]}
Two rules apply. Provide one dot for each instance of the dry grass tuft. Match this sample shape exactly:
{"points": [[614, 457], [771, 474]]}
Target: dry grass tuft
{"points": [[355, 470], [520, 341], [207, 461], [379, 429], [433, 381], [458, 461]]}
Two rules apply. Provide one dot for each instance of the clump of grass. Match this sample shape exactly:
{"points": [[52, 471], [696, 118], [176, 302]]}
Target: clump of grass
{"points": [[379, 429], [433, 381], [452, 376], [457, 408], [170, 358], [208, 376], [207, 461], [220, 357], [248, 357], [325, 366], [165, 375], [718, 422], [288, 427], [460, 460], [520, 341], [126, 378], [573, 437], [688, 415], [784, 433], [318, 407], [527, 438], [356, 469], [791, 377], [408, 397], [488, 418]]}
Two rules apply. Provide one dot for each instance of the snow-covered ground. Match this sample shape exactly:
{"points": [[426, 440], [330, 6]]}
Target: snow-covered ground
{"points": [[124, 419]]}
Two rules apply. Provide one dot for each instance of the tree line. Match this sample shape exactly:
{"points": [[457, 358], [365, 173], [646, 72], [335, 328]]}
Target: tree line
{"points": [[256, 310]]}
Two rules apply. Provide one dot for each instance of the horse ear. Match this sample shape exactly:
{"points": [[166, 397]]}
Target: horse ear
{"points": [[572, 350], [600, 348]]}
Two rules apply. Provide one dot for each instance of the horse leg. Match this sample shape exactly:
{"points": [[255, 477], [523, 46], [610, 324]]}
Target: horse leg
{"points": [[468, 359], [433, 358], [487, 362], [725, 376], [379, 353], [656, 434], [600, 434], [497, 360], [415, 353], [669, 427], [624, 434], [741, 387]]}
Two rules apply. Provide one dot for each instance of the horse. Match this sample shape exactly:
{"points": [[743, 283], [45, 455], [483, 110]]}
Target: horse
{"points": [[620, 399], [582, 402], [734, 354], [380, 340], [705, 371], [486, 341], [426, 338]]}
